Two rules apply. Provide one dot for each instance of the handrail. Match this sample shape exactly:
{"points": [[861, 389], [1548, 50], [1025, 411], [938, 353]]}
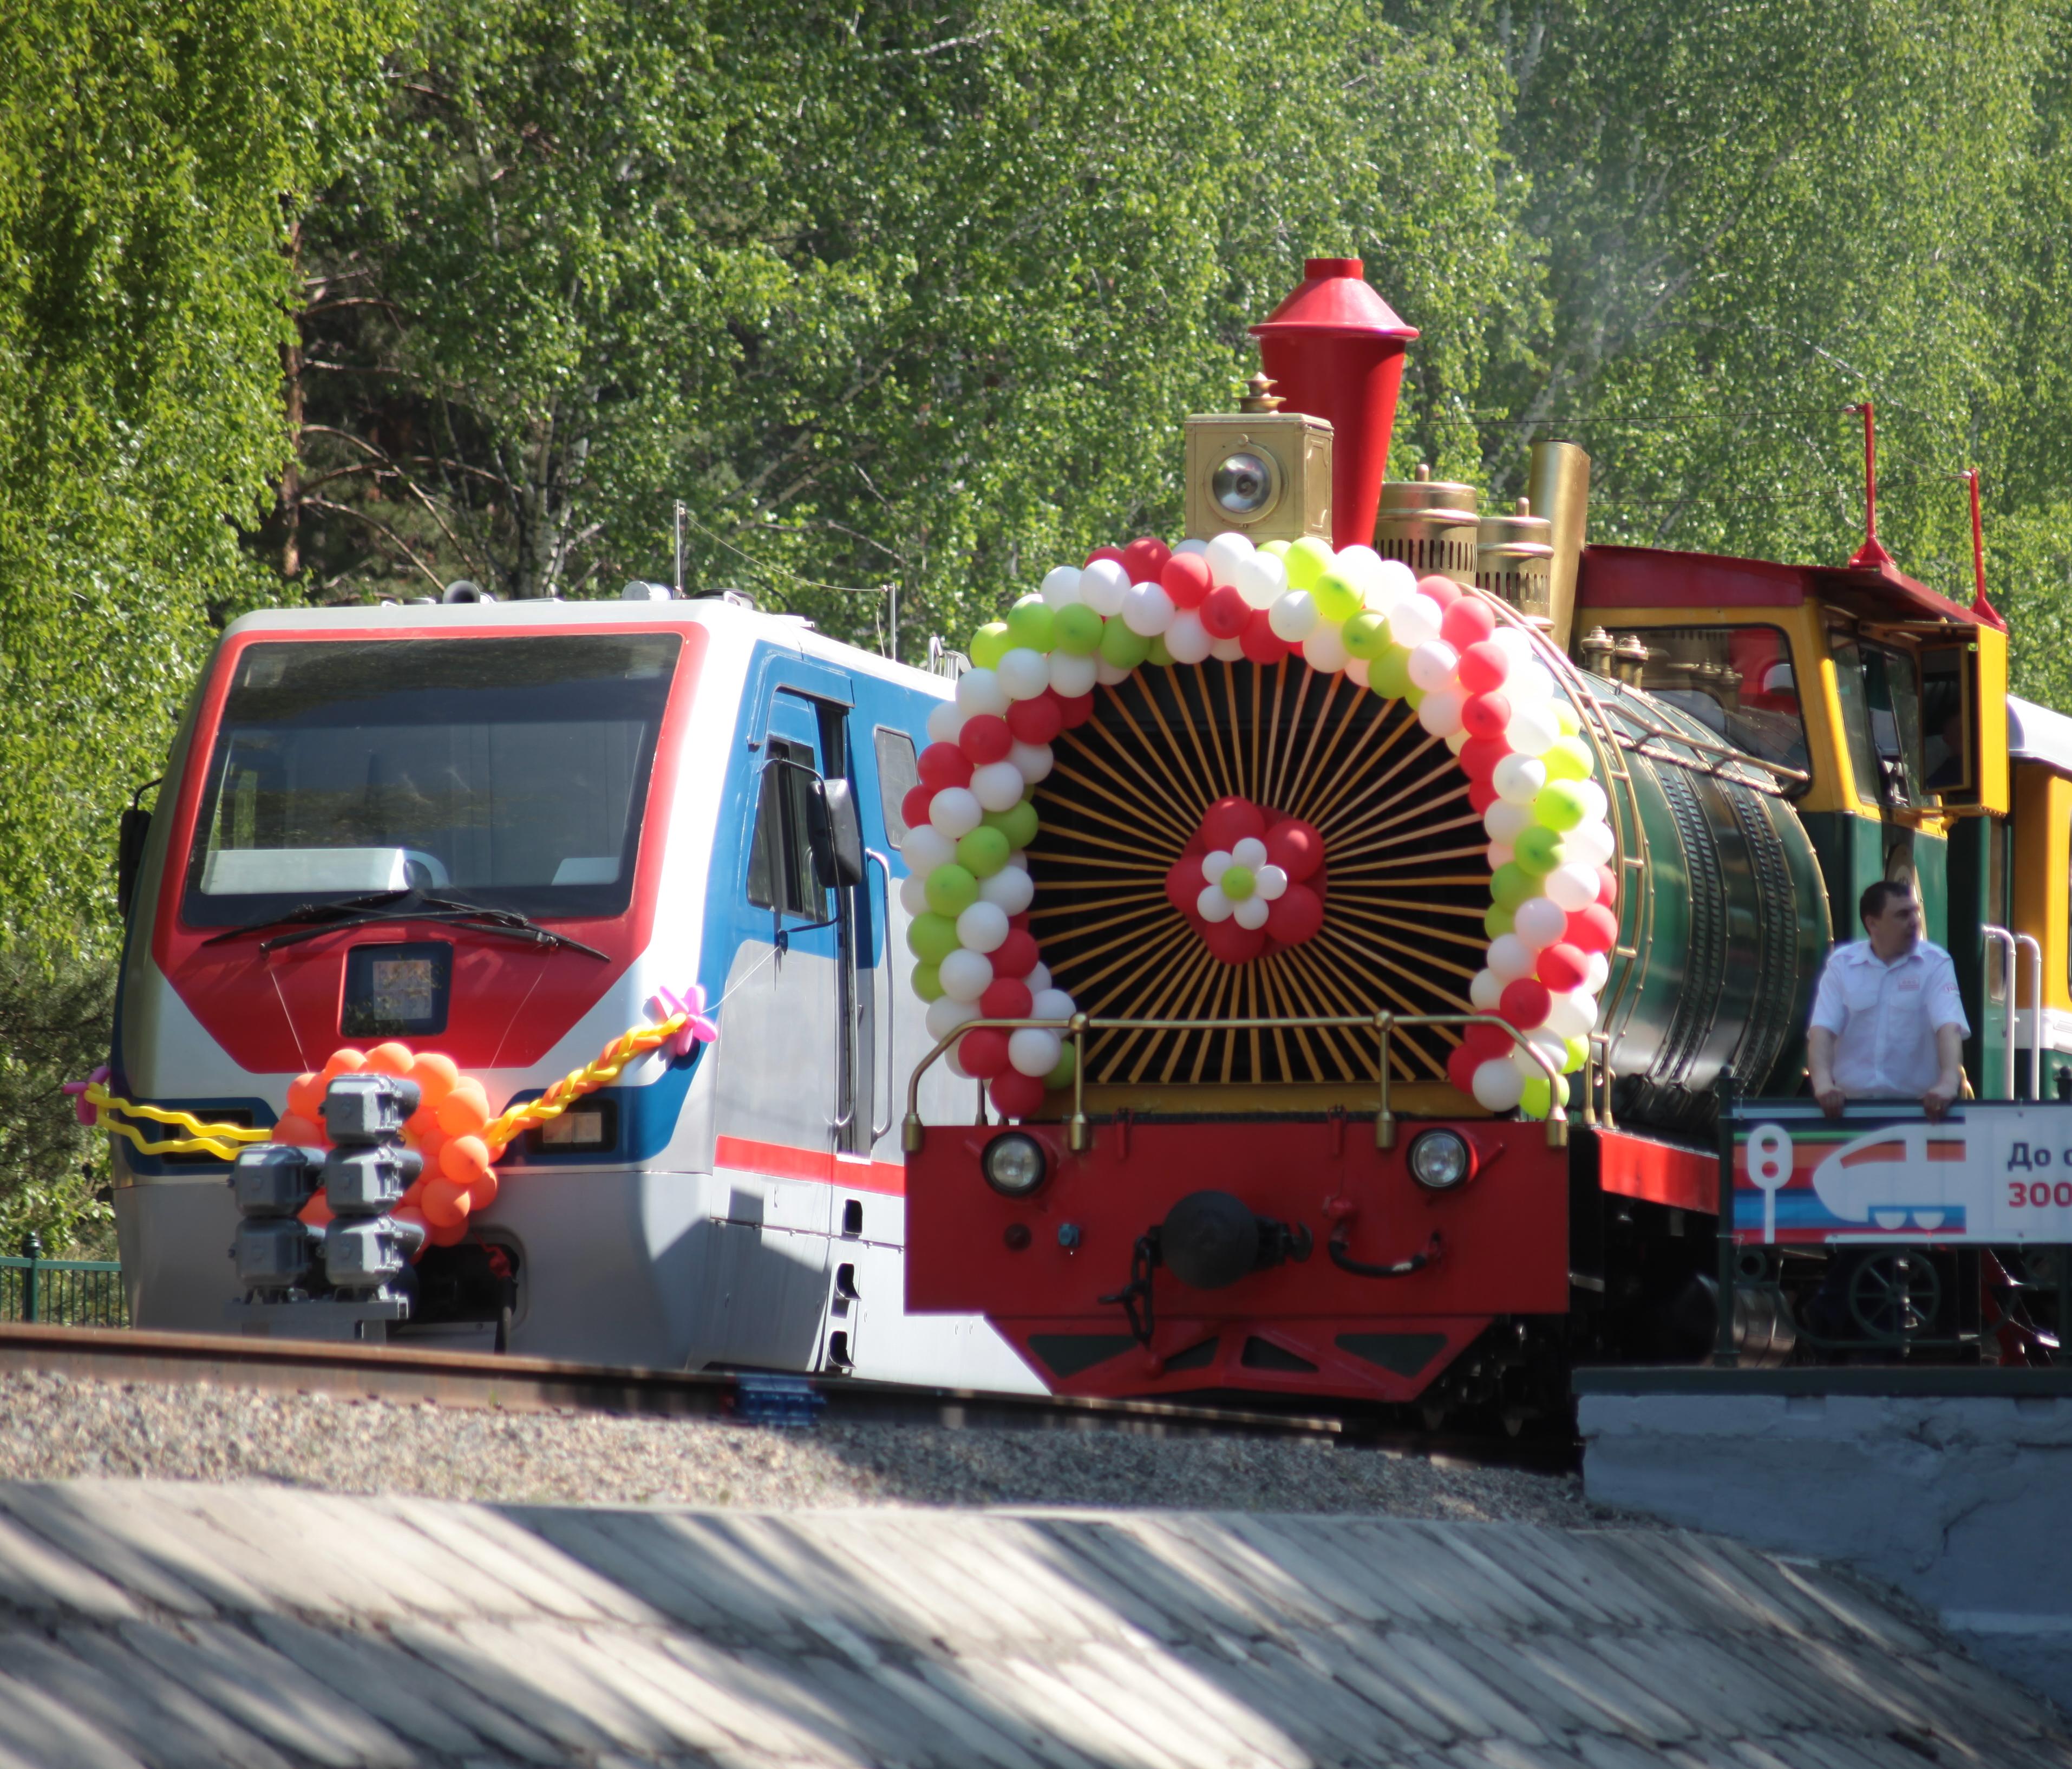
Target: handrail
{"points": [[2002, 938], [1079, 1134], [872, 856], [2035, 950]]}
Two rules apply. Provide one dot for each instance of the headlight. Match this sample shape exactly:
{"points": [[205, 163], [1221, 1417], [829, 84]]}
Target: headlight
{"points": [[1243, 485], [1440, 1160], [1014, 1164]]}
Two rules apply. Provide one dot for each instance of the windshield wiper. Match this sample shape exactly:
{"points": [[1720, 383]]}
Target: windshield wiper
{"points": [[410, 905]]}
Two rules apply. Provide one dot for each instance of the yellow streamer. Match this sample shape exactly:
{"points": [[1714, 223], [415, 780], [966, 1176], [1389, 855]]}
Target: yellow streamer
{"points": [[601, 1070], [220, 1140]]}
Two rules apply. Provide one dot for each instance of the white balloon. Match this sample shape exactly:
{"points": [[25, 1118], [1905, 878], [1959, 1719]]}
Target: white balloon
{"points": [[1039, 979], [1539, 922], [1485, 991], [1251, 913], [1553, 1043], [1573, 887], [1147, 610], [1033, 761], [1270, 882], [944, 723], [1392, 580], [1227, 651], [914, 893], [924, 847], [1249, 851], [1413, 621], [998, 786], [1072, 676], [1507, 821], [1532, 680], [1432, 665], [1517, 645], [982, 927], [1589, 843], [1294, 617], [1223, 553], [1356, 669], [1050, 1003], [1498, 1085], [956, 811], [1102, 585], [1032, 1051], [1108, 674], [1599, 973], [1533, 728], [1358, 564], [947, 1014], [1510, 958], [1517, 778], [1024, 673], [1324, 650], [1216, 862], [1010, 889], [1260, 578], [1500, 854], [979, 691], [1570, 1015], [1187, 638], [1440, 713], [952, 1062], [1596, 807], [1525, 1064], [1192, 544], [1212, 905], [965, 975], [1061, 588]]}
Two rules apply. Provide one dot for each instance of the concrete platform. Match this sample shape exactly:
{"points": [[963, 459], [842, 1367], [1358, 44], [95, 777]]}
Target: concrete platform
{"points": [[187, 1625], [1955, 1486]]}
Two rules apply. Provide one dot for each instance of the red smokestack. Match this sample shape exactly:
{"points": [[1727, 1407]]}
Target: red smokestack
{"points": [[1334, 349]]}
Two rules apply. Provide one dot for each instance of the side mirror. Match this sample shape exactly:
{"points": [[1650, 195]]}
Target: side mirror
{"points": [[131, 834], [838, 838]]}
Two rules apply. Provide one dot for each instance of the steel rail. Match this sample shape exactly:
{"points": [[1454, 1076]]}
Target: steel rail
{"points": [[505, 1383]]}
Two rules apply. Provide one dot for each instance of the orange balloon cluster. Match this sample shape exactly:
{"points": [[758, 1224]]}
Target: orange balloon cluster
{"points": [[459, 1174]]}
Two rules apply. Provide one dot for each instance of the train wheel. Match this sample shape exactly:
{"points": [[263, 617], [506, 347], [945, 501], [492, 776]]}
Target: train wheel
{"points": [[1894, 1296]]}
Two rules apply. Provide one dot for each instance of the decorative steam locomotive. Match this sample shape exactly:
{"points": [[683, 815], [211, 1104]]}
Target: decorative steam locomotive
{"points": [[1328, 941]]}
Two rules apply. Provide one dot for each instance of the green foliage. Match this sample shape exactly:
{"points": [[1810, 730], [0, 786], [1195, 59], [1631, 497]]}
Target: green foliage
{"points": [[54, 1016]]}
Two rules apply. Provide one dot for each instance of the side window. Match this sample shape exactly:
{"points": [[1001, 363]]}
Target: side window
{"points": [[1892, 702], [1945, 722], [1737, 681], [1857, 719], [896, 776], [781, 874]]}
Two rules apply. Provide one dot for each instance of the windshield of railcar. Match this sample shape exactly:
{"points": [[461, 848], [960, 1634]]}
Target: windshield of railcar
{"points": [[506, 772]]}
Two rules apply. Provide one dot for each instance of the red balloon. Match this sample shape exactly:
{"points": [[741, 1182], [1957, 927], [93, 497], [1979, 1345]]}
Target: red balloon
{"points": [[1076, 709], [1231, 944], [1468, 621], [1488, 1043], [1144, 558], [985, 737], [1262, 644], [1482, 794], [1036, 721], [1594, 928], [1479, 756], [1524, 1003], [1482, 715], [1184, 883], [1020, 921], [1008, 998], [1484, 666], [1461, 1068], [1441, 590], [1228, 821], [1015, 956], [1225, 612], [1295, 847], [1295, 914], [1105, 553], [913, 808], [983, 1053], [1607, 888], [1563, 967], [1017, 1096], [943, 765], [1185, 578]]}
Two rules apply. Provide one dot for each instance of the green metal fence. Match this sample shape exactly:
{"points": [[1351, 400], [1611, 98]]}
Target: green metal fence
{"points": [[63, 1292]]}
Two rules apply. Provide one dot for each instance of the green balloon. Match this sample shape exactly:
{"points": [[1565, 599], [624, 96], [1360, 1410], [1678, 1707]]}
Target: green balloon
{"points": [[1032, 624], [1307, 561], [1568, 759], [1337, 596], [1413, 697], [931, 938], [1278, 549], [1535, 1102], [1237, 882], [1068, 1063], [982, 853], [1077, 629], [1558, 806], [1159, 654], [950, 890], [1019, 825], [1367, 635], [1121, 647], [990, 644], [1499, 921], [1579, 1054], [1538, 849], [1510, 885], [1388, 673], [928, 983]]}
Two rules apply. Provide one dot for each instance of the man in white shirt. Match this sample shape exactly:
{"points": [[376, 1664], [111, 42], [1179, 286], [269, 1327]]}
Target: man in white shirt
{"points": [[1887, 1023]]}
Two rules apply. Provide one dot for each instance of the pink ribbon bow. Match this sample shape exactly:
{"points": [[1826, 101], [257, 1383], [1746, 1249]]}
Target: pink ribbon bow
{"points": [[666, 1004], [86, 1113]]}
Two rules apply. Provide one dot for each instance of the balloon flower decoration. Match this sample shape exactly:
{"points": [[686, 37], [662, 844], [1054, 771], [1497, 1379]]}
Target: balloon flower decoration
{"points": [[1481, 686]]}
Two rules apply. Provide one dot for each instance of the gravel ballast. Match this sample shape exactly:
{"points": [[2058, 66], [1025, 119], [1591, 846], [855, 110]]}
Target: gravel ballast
{"points": [[56, 1427]]}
